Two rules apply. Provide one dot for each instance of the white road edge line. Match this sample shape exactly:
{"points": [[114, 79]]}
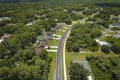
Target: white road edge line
{"points": [[64, 60], [55, 75], [58, 70]]}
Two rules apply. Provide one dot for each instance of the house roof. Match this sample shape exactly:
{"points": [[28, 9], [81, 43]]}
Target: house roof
{"points": [[50, 33], [1, 40], [102, 42], [38, 50], [5, 36], [61, 24], [117, 35], [43, 43]]}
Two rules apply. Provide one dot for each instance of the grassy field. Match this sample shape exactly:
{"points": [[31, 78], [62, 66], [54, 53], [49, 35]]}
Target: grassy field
{"points": [[53, 66]]}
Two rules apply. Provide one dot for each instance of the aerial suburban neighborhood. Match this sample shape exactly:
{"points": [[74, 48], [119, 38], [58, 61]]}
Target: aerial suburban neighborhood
{"points": [[59, 39]]}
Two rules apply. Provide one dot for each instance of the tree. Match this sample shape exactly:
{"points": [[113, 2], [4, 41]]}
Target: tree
{"points": [[1, 32], [68, 21], [81, 37], [12, 44], [105, 48], [68, 45], [116, 75], [23, 55], [4, 71], [25, 72], [2, 51], [96, 33], [78, 72], [116, 48], [75, 47], [44, 55]]}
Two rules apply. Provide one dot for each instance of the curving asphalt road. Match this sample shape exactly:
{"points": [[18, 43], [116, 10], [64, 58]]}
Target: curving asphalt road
{"points": [[59, 55], [58, 75]]}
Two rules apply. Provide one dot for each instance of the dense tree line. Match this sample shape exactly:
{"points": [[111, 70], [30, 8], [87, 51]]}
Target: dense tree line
{"points": [[111, 3], [24, 65], [107, 68], [17, 56], [82, 36], [18, 59], [44, 14]]}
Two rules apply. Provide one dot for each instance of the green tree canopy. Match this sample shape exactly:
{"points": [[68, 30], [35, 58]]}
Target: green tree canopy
{"points": [[78, 72]]}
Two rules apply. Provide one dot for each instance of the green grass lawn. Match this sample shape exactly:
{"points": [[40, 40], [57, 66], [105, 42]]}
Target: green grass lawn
{"points": [[59, 33], [53, 42], [53, 66]]}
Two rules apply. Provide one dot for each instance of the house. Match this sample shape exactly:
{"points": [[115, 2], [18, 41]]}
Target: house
{"points": [[5, 18], [61, 24], [50, 33], [1, 40], [48, 38], [42, 43], [117, 24], [38, 50], [5, 36], [100, 21], [117, 35], [57, 27], [53, 29], [101, 43], [91, 22]]}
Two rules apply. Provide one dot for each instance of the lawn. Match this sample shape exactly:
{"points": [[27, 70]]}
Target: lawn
{"points": [[60, 32], [53, 42], [53, 66]]}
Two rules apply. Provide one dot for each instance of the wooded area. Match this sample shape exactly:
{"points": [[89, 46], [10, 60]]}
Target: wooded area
{"points": [[107, 68], [22, 21], [83, 36]]}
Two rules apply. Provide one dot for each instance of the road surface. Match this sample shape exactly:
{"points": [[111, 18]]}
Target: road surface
{"points": [[59, 56], [106, 32], [58, 75]]}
